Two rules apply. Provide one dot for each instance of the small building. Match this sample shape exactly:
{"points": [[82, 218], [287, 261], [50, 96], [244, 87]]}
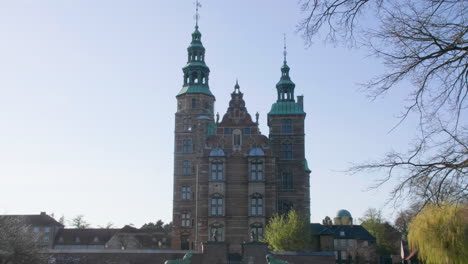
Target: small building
{"points": [[44, 226], [351, 243]]}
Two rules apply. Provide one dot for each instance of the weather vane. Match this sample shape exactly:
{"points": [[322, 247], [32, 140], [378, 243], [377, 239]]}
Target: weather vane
{"points": [[284, 51], [197, 15]]}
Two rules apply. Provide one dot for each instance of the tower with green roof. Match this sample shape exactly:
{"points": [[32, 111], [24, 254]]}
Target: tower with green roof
{"points": [[286, 133], [193, 121]]}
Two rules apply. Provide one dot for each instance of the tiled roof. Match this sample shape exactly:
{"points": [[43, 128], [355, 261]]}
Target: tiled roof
{"points": [[35, 220], [349, 231], [87, 236]]}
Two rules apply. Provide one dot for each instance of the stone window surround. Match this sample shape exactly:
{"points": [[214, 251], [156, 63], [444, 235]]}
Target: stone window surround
{"points": [[221, 160], [256, 205], [253, 161], [218, 201]]}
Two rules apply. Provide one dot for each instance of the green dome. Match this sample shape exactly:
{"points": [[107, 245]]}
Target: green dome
{"points": [[343, 213]]}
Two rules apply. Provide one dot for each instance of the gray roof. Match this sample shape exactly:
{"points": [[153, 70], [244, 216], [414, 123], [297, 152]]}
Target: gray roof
{"points": [[343, 231], [41, 219]]}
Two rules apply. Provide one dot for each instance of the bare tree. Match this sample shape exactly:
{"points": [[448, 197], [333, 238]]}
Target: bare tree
{"points": [[424, 42], [79, 222], [18, 244]]}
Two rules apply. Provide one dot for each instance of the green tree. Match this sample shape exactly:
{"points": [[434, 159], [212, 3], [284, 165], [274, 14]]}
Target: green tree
{"points": [[288, 232], [440, 233], [387, 237]]}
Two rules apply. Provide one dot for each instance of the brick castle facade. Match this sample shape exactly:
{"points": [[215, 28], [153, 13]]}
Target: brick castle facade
{"points": [[228, 177]]}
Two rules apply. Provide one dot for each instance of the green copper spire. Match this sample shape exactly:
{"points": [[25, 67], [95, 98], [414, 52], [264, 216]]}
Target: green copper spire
{"points": [[196, 72], [285, 104], [285, 86]]}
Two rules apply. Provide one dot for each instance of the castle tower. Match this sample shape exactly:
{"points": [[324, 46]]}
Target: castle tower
{"points": [[194, 117], [286, 125]]}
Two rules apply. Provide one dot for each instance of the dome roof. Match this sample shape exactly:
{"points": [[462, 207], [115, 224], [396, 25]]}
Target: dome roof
{"points": [[217, 152], [256, 152], [343, 213]]}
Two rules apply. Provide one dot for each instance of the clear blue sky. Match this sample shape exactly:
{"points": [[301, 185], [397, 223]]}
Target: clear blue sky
{"points": [[87, 103]]}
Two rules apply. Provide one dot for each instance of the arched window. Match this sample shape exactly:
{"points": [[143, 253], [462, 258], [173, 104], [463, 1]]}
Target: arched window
{"points": [[286, 150], [217, 170], [216, 205], [185, 219], [187, 146], [286, 126], [186, 167], [256, 205], [256, 170]]}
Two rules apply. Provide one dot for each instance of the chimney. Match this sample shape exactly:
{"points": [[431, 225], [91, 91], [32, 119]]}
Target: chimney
{"points": [[300, 100], [43, 213]]}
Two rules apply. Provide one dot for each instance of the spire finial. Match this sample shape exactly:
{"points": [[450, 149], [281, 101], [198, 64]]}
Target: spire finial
{"points": [[284, 51], [197, 15], [236, 87]]}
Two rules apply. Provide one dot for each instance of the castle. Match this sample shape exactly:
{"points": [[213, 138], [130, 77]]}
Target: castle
{"points": [[229, 179]]}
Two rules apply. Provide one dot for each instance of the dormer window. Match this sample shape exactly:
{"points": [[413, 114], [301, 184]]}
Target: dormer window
{"points": [[342, 233], [96, 240], [77, 240]]}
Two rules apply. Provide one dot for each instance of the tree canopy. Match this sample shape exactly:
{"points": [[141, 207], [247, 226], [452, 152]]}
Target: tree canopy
{"points": [[440, 234], [387, 237], [288, 232]]}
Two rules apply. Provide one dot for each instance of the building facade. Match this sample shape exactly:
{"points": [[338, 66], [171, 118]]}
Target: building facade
{"points": [[228, 177]]}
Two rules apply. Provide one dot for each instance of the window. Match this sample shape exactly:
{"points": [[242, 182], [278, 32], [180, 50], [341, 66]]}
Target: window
{"points": [[237, 137], [256, 206], [186, 193], [46, 239], [77, 240], [247, 131], [184, 242], [256, 232], [286, 150], [284, 206], [185, 220], [187, 123], [46, 229], [186, 167], [342, 233], [227, 131], [217, 206], [286, 181], [36, 229], [286, 126], [217, 170], [256, 170], [194, 101], [60, 239], [96, 240], [187, 145]]}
